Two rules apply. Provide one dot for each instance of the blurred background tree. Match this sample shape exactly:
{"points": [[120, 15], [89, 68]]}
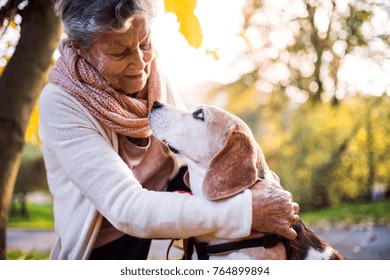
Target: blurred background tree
{"points": [[24, 65], [31, 178], [315, 94], [312, 90]]}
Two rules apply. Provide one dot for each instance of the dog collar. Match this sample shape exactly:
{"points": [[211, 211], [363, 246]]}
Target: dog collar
{"points": [[204, 250]]}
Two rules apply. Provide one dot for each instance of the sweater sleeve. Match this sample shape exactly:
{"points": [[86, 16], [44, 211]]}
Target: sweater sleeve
{"points": [[93, 166]]}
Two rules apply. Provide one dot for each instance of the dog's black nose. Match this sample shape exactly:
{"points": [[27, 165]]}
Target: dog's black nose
{"points": [[157, 105]]}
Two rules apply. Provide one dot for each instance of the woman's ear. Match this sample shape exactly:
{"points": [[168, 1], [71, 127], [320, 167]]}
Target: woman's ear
{"points": [[78, 49], [233, 169]]}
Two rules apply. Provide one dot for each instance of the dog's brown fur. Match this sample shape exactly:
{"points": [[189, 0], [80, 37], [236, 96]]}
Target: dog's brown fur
{"points": [[242, 157], [235, 162]]}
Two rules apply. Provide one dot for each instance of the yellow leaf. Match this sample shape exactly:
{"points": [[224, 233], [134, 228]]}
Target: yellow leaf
{"points": [[213, 53], [12, 24], [189, 23], [31, 135], [245, 38]]}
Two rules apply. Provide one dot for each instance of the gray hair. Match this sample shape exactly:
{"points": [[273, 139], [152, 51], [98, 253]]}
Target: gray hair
{"points": [[84, 20]]}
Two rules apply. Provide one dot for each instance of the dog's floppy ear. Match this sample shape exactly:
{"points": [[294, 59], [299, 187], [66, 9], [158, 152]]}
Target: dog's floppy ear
{"points": [[233, 169]]}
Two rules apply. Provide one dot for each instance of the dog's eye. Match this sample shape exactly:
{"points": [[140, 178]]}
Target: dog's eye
{"points": [[198, 114]]}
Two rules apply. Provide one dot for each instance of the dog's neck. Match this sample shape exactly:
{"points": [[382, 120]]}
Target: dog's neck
{"points": [[196, 176]]}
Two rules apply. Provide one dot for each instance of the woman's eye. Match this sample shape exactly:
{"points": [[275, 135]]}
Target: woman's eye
{"points": [[146, 43], [121, 54], [198, 114], [146, 46]]}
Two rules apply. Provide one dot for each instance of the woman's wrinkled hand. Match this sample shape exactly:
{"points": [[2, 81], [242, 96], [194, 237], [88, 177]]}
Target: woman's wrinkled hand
{"points": [[273, 210]]}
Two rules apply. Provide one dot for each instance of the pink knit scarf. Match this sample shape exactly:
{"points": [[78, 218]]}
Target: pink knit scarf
{"points": [[123, 114]]}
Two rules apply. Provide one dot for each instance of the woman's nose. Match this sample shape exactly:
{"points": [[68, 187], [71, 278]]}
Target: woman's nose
{"points": [[136, 60]]}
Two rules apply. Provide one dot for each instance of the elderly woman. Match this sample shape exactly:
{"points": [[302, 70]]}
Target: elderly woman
{"points": [[108, 175]]}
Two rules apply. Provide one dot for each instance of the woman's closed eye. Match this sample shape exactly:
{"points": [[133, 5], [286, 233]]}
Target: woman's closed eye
{"points": [[198, 114], [120, 54]]}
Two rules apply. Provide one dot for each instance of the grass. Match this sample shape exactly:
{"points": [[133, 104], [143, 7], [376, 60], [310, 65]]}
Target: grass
{"points": [[30, 255], [349, 214], [39, 217]]}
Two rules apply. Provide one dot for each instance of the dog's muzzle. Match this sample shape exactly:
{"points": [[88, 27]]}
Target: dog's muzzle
{"points": [[157, 105]]}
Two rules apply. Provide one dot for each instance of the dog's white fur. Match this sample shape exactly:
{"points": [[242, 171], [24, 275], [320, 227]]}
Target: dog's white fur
{"points": [[197, 142], [198, 137]]}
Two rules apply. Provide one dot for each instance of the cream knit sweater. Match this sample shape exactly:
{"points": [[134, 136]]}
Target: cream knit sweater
{"points": [[89, 180]]}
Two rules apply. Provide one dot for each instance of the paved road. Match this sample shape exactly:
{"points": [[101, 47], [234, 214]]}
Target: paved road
{"points": [[41, 240], [359, 243], [26, 240]]}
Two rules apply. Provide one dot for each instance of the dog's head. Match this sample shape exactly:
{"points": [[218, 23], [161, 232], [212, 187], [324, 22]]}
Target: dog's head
{"points": [[215, 140]]}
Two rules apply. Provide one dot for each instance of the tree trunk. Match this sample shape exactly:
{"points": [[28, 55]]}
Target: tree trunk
{"points": [[20, 86]]}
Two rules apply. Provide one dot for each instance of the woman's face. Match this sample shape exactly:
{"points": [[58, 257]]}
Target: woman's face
{"points": [[123, 59]]}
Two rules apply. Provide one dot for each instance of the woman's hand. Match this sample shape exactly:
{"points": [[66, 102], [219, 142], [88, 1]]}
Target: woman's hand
{"points": [[273, 210]]}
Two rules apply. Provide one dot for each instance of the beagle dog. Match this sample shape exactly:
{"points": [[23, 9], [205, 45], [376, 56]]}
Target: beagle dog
{"points": [[224, 159]]}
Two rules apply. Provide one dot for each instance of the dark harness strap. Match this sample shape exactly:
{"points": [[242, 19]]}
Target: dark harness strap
{"points": [[204, 250]]}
